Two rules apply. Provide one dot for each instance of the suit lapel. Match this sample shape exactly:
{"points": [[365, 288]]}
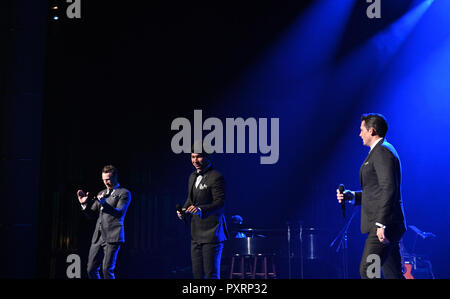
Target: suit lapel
{"points": [[112, 197], [204, 176], [203, 180], [367, 159], [191, 185]]}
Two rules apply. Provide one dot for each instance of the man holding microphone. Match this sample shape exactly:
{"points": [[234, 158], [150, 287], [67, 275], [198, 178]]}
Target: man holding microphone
{"points": [[110, 206], [205, 208], [382, 215]]}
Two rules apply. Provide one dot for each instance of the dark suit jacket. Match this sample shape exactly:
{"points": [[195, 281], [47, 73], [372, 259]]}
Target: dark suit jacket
{"points": [[211, 227], [111, 217], [380, 198]]}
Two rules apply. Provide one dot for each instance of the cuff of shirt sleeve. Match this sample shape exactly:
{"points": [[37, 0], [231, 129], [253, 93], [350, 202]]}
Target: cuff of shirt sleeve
{"points": [[380, 225]]}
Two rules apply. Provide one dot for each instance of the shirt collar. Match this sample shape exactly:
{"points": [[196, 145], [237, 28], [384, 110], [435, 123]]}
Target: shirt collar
{"points": [[374, 144], [114, 188]]}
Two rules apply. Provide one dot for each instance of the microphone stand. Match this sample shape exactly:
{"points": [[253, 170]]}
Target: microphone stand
{"points": [[289, 248], [300, 235], [344, 241]]}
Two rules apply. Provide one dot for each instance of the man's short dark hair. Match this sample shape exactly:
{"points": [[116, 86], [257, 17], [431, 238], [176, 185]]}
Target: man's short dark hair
{"points": [[112, 170], [201, 152], [377, 122]]}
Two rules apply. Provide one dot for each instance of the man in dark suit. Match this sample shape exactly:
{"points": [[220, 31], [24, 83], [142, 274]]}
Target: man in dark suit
{"points": [[110, 207], [205, 208], [382, 215]]}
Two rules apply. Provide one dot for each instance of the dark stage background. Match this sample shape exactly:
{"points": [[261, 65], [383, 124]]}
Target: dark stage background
{"points": [[109, 84]]}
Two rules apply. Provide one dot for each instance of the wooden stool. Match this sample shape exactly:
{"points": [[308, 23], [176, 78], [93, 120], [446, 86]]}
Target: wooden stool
{"points": [[265, 258], [244, 268]]}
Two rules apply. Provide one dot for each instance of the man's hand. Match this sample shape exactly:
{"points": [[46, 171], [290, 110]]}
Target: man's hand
{"points": [[181, 216], [101, 198], [82, 197], [347, 195], [381, 237], [194, 210]]}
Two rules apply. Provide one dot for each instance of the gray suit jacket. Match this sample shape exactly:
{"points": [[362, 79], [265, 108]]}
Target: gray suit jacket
{"points": [[111, 215], [380, 198]]}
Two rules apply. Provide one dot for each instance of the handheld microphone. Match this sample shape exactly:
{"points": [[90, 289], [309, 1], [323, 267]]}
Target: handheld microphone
{"points": [[341, 190], [183, 214]]}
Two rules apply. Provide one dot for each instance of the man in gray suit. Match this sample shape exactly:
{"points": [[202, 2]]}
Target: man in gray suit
{"points": [[382, 215], [110, 206]]}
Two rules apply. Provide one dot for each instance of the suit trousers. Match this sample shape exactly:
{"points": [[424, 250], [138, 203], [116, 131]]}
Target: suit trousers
{"points": [[102, 254], [389, 257], [206, 260]]}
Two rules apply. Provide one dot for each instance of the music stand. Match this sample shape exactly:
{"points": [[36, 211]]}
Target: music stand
{"points": [[343, 236], [289, 232], [422, 234]]}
